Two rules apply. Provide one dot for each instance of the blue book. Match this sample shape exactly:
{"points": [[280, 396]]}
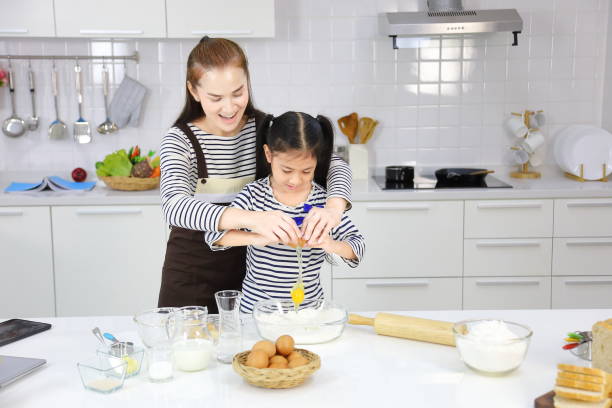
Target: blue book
{"points": [[53, 183]]}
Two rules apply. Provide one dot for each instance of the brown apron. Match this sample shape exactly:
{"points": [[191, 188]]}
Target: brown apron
{"points": [[192, 272]]}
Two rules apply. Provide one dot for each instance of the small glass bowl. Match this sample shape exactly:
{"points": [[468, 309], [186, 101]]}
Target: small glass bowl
{"points": [[104, 373], [131, 354], [315, 321], [492, 356]]}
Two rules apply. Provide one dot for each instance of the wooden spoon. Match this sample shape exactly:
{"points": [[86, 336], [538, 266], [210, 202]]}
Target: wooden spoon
{"points": [[366, 129], [348, 125]]}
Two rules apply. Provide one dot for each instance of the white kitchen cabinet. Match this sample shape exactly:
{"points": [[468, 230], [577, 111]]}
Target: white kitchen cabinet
{"points": [[581, 292], [398, 294], [27, 18], [110, 18], [583, 218], [507, 293], [26, 277], [108, 259], [508, 219], [582, 256], [408, 239], [507, 257], [229, 18]]}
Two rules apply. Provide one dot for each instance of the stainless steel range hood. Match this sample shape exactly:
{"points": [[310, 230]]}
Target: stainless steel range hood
{"points": [[447, 17]]}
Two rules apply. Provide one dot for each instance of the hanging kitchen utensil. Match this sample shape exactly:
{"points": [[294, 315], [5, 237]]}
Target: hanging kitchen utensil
{"points": [[107, 126], [461, 177], [57, 128], [348, 125], [366, 129], [14, 126], [81, 130], [32, 121]]}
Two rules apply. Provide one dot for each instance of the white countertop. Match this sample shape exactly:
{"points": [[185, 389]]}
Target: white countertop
{"points": [[359, 369], [552, 184]]}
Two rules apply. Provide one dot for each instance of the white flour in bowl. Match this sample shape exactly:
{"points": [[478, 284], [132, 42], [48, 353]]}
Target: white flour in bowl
{"points": [[306, 326], [488, 346]]}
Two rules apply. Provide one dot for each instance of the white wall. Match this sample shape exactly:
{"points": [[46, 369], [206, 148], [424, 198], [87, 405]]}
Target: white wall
{"points": [[443, 103]]}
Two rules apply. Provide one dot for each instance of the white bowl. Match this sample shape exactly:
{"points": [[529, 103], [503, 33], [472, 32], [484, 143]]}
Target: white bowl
{"points": [[316, 321], [490, 354]]}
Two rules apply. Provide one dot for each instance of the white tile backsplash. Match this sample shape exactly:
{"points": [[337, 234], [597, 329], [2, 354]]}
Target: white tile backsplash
{"points": [[441, 102]]}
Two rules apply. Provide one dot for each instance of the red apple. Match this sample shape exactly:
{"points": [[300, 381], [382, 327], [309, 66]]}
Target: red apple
{"points": [[79, 174]]}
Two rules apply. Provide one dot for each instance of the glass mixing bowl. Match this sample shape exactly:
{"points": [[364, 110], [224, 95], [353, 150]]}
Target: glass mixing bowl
{"points": [[484, 344], [315, 321]]}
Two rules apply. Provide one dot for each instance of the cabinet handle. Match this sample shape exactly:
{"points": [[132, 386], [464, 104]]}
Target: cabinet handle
{"points": [[493, 244], [108, 211], [507, 283], [509, 205], [222, 32], [9, 213], [588, 243], [587, 282], [396, 284], [103, 32], [590, 204], [13, 30], [400, 207]]}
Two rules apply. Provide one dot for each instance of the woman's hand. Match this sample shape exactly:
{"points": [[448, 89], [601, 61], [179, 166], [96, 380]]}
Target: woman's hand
{"points": [[273, 226], [326, 243], [318, 223]]}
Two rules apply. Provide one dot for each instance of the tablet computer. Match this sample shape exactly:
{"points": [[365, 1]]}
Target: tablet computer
{"points": [[17, 329], [13, 368]]}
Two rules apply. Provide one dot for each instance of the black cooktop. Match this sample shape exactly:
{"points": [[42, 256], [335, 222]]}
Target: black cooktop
{"points": [[489, 182]]}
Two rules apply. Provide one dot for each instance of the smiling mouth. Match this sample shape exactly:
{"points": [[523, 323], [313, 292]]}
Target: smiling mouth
{"points": [[228, 117]]}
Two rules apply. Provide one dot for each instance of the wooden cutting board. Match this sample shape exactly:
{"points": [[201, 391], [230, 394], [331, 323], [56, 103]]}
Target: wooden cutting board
{"points": [[545, 401]]}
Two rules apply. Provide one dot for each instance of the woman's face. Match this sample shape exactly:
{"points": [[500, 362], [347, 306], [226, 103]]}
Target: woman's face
{"points": [[292, 171], [224, 95]]}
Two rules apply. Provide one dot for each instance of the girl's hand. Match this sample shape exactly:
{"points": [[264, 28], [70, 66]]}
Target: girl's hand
{"points": [[274, 226], [326, 243], [260, 240], [318, 223]]}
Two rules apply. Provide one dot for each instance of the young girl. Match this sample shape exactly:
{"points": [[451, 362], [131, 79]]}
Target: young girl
{"points": [[298, 150]]}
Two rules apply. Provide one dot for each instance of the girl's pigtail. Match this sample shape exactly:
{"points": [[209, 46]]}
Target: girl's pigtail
{"points": [[325, 155], [262, 167]]}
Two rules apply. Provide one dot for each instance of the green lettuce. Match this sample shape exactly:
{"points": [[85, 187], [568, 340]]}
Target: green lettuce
{"points": [[115, 164]]}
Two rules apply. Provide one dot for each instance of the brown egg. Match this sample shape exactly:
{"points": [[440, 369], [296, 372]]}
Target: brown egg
{"points": [[294, 354], [278, 365], [284, 345], [278, 359], [298, 361], [257, 359], [267, 346]]}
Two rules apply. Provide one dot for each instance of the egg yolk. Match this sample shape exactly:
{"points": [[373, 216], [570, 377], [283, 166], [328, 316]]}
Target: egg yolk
{"points": [[297, 295]]}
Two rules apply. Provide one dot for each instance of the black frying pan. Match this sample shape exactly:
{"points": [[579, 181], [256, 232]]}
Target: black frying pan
{"points": [[462, 177]]}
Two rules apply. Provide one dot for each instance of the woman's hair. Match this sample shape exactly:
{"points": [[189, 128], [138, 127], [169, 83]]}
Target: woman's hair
{"points": [[212, 53], [296, 131]]}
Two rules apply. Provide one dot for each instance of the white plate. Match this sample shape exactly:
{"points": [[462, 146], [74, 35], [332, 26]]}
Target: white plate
{"points": [[587, 145]]}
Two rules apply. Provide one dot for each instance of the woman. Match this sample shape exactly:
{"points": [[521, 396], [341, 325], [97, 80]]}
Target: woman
{"points": [[207, 157]]}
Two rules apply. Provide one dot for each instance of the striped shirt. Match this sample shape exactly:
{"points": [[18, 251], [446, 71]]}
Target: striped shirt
{"points": [[226, 157], [272, 270]]}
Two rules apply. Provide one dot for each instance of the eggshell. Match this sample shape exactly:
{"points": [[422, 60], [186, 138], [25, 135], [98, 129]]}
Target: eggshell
{"points": [[285, 345], [278, 365], [267, 346], [257, 359], [293, 355], [278, 359]]}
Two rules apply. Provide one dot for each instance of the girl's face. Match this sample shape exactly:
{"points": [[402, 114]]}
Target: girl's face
{"points": [[224, 95], [292, 171]]}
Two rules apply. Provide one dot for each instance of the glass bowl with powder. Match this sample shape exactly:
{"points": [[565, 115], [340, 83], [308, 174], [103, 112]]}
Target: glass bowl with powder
{"points": [[315, 321], [489, 346]]}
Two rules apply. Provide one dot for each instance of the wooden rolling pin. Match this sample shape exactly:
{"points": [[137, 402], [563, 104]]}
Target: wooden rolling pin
{"points": [[406, 327]]}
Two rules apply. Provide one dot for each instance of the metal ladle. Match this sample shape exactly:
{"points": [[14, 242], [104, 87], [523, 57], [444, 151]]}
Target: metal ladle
{"points": [[14, 126], [107, 126]]}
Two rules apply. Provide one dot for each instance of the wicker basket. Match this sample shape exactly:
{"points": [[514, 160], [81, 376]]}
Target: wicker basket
{"points": [[131, 183], [276, 377]]}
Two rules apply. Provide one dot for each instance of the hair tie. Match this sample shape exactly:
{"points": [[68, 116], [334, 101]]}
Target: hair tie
{"points": [[205, 38]]}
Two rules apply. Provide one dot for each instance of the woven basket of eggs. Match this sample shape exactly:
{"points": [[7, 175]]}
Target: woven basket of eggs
{"points": [[276, 365]]}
